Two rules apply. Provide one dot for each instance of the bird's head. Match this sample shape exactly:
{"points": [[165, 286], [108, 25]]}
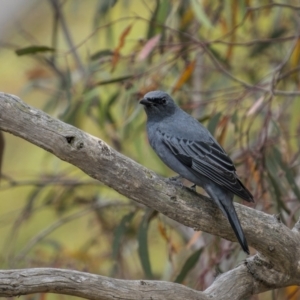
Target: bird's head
{"points": [[158, 104]]}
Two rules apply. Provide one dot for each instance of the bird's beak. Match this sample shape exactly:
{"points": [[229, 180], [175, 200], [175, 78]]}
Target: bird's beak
{"points": [[145, 102]]}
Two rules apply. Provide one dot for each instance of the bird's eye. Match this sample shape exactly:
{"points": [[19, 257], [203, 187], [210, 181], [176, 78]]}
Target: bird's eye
{"points": [[163, 101]]}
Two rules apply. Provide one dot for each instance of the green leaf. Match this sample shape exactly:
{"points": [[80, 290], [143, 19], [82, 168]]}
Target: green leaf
{"points": [[105, 6], [288, 172], [72, 113], [188, 266], [143, 243], [277, 194], [113, 99], [113, 80], [200, 13], [204, 118], [101, 53], [102, 11], [119, 233], [234, 120], [104, 111], [276, 129], [213, 123], [275, 182], [163, 11], [33, 50], [152, 28], [259, 47], [159, 17]]}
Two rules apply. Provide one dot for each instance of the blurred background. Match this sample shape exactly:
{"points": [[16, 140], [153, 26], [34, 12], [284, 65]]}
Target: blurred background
{"points": [[233, 65]]}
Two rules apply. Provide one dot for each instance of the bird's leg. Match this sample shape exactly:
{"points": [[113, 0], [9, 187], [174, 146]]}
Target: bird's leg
{"points": [[176, 180]]}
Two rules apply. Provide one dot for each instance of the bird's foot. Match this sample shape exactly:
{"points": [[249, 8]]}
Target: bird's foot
{"points": [[176, 180]]}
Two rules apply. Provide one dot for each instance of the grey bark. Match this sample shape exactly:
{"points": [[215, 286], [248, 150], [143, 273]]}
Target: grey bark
{"points": [[89, 286], [277, 263]]}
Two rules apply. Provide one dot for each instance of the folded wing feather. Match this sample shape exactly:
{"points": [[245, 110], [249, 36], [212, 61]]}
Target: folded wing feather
{"points": [[210, 160]]}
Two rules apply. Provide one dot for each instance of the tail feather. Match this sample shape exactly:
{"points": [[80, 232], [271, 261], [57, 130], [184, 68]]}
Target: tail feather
{"points": [[236, 226], [223, 199]]}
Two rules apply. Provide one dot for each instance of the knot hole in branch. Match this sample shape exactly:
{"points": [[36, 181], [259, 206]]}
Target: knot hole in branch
{"points": [[70, 139]]}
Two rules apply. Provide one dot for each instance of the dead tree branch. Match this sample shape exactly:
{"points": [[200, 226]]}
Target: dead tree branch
{"points": [[277, 263]]}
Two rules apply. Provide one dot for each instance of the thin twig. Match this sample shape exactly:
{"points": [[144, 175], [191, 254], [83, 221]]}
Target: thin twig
{"points": [[73, 49]]}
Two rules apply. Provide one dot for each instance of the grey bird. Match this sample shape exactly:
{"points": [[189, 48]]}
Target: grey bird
{"points": [[189, 149]]}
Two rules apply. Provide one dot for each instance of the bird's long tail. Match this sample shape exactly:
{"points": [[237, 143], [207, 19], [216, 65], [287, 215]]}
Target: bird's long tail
{"points": [[233, 219], [224, 201]]}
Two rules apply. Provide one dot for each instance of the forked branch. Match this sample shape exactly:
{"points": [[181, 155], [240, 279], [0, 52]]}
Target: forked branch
{"points": [[276, 265]]}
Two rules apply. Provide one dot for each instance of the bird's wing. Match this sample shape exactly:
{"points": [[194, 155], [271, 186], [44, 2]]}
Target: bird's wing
{"points": [[208, 159]]}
